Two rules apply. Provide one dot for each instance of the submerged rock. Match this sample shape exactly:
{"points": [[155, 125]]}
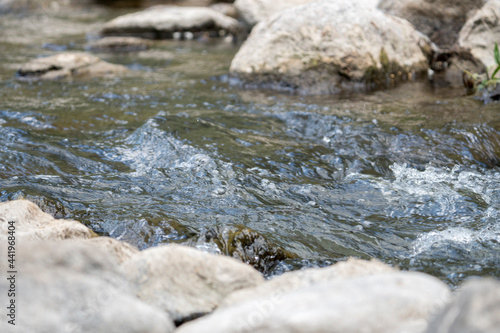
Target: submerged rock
{"points": [[330, 46], [71, 286], [31, 222], [440, 20], [247, 246], [118, 44], [474, 308], [161, 22], [481, 31], [68, 65], [290, 281], [380, 303], [187, 283]]}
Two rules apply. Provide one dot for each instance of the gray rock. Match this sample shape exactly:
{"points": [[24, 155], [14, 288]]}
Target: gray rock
{"points": [[295, 280], [475, 308], [32, 223], [185, 282], [163, 21], [69, 286], [330, 46], [385, 303], [68, 65], [255, 11], [118, 44], [440, 20], [119, 251], [481, 31]]}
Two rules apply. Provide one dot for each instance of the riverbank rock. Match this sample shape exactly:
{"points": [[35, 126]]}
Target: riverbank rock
{"points": [[381, 303], [330, 46], [44, 5], [481, 31], [440, 20], [227, 9], [295, 280], [160, 22], [187, 283], [68, 65], [474, 308], [70, 286], [118, 44], [30, 222]]}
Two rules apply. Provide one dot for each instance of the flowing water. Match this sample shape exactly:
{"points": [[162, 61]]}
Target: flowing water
{"points": [[172, 152]]}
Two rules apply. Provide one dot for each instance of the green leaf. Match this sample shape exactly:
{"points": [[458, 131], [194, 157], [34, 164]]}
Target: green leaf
{"points": [[497, 54], [495, 73]]}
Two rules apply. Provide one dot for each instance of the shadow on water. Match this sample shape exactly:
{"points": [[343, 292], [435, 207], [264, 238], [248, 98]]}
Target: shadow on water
{"points": [[172, 153]]}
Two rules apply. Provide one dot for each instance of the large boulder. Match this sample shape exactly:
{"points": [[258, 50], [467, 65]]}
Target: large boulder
{"points": [[381, 303], [295, 280], [187, 283], [72, 286], [481, 31], [255, 11], [119, 251], [160, 22], [30, 222], [329, 46], [440, 20], [68, 65], [474, 308]]}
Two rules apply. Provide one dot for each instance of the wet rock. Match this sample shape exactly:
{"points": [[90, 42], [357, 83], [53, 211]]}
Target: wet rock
{"points": [[475, 308], [69, 286], [295, 280], [481, 31], [247, 246], [440, 20], [160, 22], [330, 46], [32, 223], [227, 9], [118, 44], [187, 283], [389, 302], [68, 65], [255, 11], [120, 251]]}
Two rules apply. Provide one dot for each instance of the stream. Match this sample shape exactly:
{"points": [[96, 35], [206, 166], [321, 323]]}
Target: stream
{"points": [[172, 152]]}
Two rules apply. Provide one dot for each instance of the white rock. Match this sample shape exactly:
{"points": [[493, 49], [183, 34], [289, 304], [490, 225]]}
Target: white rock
{"points": [[185, 282], [475, 308], [382, 303], [290, 281], [255, 11], [70, 286], [327, 46], [30, 222]]}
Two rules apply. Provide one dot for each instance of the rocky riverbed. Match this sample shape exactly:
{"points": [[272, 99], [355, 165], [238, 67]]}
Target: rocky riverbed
{"points": [[284, 166]]}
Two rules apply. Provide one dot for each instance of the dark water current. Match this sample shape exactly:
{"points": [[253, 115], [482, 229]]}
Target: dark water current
{"points": [[172, 153]]}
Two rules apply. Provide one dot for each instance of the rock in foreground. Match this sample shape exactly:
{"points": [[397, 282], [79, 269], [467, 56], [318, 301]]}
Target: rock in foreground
{"points": [[381, 303], [187, 283], [72, 286], [475, 308], [330, 46], [161, 22], [30, 222], [68, 65]]}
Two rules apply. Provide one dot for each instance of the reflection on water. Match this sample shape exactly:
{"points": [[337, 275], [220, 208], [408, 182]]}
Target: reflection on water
{"points": [[170, 153]]}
